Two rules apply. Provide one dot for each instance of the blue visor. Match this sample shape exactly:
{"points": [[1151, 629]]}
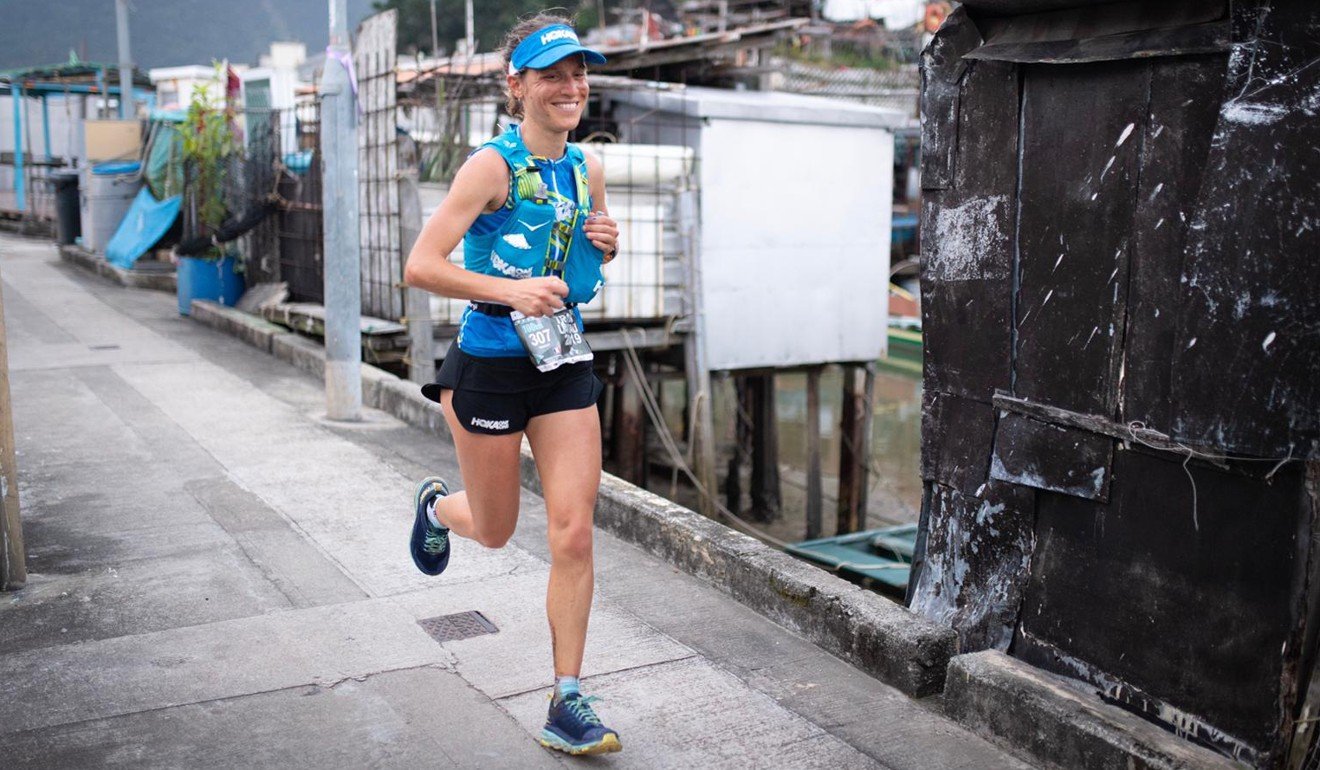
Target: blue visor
{"points": [[548, 45]]}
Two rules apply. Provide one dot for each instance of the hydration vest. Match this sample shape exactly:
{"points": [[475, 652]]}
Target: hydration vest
{"points": [[543, 233]]}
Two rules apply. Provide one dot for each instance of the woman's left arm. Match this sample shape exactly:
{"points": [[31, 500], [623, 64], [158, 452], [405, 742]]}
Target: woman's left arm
{"points": [[600, 228]]}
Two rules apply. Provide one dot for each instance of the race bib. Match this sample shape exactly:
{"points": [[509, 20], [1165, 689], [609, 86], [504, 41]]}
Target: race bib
{"points": [[551, 341]]}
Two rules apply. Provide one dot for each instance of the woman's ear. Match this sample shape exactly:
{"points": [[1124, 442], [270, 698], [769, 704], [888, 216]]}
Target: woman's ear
{"points": [[514, 84]]}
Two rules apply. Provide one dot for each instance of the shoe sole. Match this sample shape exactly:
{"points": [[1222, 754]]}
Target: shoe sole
{"points": [[426, 484], [607, 745]]}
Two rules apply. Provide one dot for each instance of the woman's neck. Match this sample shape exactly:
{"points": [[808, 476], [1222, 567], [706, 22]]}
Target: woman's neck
{"points": [[547, 144]]}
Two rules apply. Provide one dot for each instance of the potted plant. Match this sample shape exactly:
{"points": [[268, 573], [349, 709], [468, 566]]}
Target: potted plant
{"points": [[209, 145]]}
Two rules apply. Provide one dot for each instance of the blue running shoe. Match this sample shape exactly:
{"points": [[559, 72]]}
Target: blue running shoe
{"points": [[573, 728], [429, 544]]}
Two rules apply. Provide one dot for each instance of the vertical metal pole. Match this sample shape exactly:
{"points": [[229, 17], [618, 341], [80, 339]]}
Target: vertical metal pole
{"points": [[125, 61], [435, 39], [13, 567], [20, 191], [343, 259], [45, 124], [101, 89], [471, 36]]}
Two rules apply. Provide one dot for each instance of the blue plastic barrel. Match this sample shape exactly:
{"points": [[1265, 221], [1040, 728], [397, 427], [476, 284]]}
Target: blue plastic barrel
{"points": [[212, 279]]}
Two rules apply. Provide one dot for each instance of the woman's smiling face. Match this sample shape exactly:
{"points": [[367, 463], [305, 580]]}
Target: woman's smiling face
{"points": [[553, 97]]}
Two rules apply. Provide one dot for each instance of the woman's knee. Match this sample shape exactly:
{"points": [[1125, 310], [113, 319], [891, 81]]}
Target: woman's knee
{"points": [[571, 541]]}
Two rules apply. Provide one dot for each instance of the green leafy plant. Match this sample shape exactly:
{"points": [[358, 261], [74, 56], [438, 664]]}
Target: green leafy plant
{"points": [[208, 142]]}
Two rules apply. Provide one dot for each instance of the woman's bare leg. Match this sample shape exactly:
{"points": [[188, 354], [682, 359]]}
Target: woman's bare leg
{"points": [[486, 510], [567, 450]]}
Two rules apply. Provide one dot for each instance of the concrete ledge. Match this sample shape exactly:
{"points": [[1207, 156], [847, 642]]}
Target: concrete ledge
{"points": [[885, 640], [1058, 723], [255, 331], [161, 280], [292, 348]]}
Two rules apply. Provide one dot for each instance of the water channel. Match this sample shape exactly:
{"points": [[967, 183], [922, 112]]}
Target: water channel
{"points": [[894, 482]]}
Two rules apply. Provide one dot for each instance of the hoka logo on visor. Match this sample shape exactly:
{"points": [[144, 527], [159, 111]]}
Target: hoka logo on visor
{"points": [[558, 34]]}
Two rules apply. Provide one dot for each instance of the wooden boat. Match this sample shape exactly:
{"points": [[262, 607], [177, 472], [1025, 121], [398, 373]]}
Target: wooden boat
{"points": [[875, 558]]}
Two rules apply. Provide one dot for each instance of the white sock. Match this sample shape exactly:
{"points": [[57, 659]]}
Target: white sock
{"points": [[430, 514]]}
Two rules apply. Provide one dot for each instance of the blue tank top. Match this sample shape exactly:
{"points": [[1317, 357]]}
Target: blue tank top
{"points": [[493, 336]]}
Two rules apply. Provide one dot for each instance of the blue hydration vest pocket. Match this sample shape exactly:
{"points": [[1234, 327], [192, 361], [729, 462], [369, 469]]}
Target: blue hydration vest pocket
{"points": [[519, 249], [582, 270]]}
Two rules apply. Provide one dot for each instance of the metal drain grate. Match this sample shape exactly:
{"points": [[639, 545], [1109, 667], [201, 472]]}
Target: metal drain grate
{"points": [[463, 625]]}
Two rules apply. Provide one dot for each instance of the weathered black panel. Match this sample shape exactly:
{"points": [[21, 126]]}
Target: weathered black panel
{"points": [[1116, 30], [1192, 599], [974, 565], [967, 237], [1078, 181], [1203, 38], [1184, 103], [1161, 239], [1245, 373], [942, 69], [956, 439], [1028, 6], [1052, 457]]}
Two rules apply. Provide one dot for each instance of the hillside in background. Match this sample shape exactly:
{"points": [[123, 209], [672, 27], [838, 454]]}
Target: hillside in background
{"points": [[163, 32]]}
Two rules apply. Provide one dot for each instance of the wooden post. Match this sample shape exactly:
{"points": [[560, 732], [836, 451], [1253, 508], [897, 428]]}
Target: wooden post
{"points": [[629, 429], [13, 566], [813, 454], [766, 504], [855, 449], [742, 440]]}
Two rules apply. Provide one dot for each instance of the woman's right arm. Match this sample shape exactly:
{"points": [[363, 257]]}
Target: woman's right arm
{"points": [[482, 183]]}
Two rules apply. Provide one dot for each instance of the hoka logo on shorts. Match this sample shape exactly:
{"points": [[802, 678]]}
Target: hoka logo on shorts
{"points": [[512, 271], [481, 422], [518, 241], [558, 34]]}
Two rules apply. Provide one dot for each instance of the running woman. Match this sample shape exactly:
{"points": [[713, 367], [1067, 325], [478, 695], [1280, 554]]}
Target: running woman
{"points": [[530, 210]]}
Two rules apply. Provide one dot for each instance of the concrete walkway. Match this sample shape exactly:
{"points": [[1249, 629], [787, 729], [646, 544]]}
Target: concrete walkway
{"points": [[219, 578]]}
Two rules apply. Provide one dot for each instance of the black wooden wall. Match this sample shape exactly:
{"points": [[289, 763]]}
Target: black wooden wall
{"points": [[1121, 308]]}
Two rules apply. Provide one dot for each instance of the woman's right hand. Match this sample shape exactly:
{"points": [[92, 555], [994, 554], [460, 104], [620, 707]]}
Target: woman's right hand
{"points": [[536, 296]]}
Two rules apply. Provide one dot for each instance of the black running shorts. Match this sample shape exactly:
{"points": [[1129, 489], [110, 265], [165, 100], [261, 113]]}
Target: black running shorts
{"points": [[497, 396]]}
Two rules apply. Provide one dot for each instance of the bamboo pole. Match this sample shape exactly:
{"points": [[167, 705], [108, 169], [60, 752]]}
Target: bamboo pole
{"points": [[13, 567]]}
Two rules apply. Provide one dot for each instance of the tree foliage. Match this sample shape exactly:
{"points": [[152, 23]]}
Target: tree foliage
{"points": [[208, 143], [491, 19]]}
